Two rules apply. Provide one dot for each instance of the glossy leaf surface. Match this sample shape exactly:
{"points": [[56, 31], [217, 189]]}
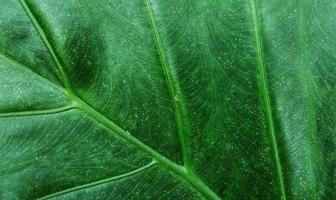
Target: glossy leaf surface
{"points": [[167, 99]]}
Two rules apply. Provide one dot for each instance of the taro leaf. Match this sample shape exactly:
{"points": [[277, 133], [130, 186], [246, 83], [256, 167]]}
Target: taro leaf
{"points": [[167, 99]]}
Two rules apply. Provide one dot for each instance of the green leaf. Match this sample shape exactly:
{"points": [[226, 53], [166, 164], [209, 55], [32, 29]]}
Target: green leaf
{"points": [[167, 99]]}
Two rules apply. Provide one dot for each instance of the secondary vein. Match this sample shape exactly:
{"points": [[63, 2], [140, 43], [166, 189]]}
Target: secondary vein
{"points": [[173, 90], [107, 180], [46, 42], [263, 87], [37, 112]]}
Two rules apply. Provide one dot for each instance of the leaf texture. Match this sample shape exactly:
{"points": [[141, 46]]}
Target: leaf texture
{"points": [[153, 99]]}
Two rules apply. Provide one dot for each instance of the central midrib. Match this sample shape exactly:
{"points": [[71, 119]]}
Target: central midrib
{"points": [[179, 170]]}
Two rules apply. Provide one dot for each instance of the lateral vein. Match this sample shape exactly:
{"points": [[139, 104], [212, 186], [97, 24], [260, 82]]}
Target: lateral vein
{"points": [[263, 87], [100, 182], [173, 91], [37, 112], [46, 42]]}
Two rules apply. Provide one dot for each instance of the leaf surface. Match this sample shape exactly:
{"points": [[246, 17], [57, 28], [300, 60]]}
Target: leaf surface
{"points": [[153, 99]]}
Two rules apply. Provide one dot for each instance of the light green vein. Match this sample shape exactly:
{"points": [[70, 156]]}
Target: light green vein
{"points": [[173, 91], [179, 170], [107, 180], [263, 86], [193, 180], [46, 42], [37, 112]]}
